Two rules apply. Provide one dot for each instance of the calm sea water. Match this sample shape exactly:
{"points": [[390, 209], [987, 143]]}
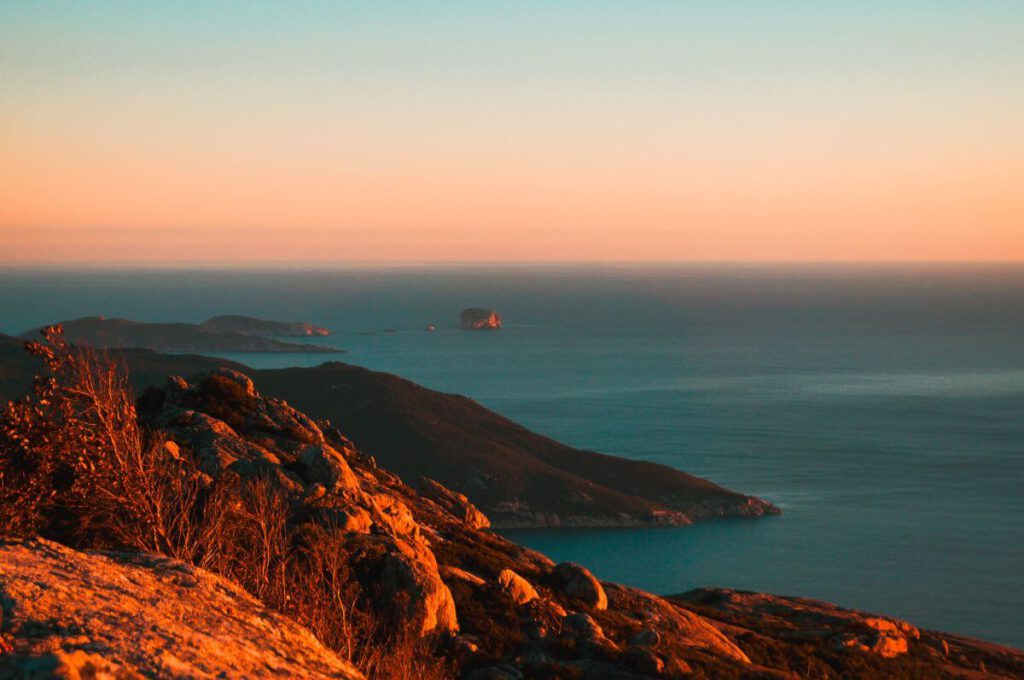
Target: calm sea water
{"points": [[882, 407]]}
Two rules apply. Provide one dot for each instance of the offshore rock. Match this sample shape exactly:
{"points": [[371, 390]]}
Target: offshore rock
{"points": [[478, 318]]}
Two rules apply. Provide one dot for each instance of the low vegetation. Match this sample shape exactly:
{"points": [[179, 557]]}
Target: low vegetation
{"points": [[77, 466]]}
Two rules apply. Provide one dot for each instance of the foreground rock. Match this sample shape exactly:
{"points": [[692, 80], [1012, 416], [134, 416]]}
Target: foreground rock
{"points": [[101, 332], [821, 635], [480, 319], [72, 614], [250, 326]]}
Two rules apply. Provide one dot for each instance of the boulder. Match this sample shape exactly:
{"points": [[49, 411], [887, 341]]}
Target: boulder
{"points": [[410, 577], [578, 583], [392, 514], [516, 587], [320, 464], [583, 627]]}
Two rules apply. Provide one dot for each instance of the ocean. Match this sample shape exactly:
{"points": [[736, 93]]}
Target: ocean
{"points": [[880, 406]]}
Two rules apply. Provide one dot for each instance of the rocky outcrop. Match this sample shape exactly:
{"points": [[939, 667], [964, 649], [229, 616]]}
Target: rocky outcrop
{"points": [[246, 324], [101, 332], [70, 614], [410, 570], [230, 428], [579, 584], [516, 587], [455, 503], [479, 319], [800, 618]]}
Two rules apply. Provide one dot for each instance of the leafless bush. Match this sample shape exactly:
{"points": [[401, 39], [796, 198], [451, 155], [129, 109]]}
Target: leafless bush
{"points": [[76, 465]]}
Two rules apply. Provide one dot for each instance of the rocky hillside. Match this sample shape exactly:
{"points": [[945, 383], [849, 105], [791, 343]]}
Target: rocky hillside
{"points": [[71, 614], [495, 610], [101, 332], [517, 477]]}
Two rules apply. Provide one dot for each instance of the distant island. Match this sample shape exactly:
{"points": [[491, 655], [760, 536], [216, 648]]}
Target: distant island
{"points": [[250, 326], [104, 333], [480, 319]]}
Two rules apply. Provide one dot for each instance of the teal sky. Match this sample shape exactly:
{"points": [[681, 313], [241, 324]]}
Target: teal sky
{"points": [[565, 130]]}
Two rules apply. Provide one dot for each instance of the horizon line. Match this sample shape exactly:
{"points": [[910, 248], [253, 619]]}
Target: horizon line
{"points": [[394, 264]]}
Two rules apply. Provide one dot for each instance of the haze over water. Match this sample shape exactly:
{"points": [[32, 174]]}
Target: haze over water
{"points": [[879, 406]]}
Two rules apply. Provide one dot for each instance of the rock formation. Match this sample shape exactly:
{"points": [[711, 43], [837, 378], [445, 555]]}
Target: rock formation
{"points": [[70, 614], [478, 318]]}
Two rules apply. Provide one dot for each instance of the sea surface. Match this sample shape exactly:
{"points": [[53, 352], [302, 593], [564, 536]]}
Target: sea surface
{"points": [[880, 406]]}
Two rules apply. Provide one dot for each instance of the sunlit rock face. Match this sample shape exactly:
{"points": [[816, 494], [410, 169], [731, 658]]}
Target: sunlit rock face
{"points": [[230, 427], [71, 614], [480, 319]]}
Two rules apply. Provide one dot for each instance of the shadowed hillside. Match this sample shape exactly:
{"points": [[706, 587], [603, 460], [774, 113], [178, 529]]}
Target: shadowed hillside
{"points": [[519, 478]]}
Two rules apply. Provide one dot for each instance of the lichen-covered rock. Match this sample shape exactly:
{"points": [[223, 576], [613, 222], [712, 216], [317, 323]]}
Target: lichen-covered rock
{"points": [[578, 583], [410, 570], [76, 615], [516, 587]]}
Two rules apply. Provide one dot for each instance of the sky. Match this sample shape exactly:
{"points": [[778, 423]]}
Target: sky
{"points": [[575, 131]]}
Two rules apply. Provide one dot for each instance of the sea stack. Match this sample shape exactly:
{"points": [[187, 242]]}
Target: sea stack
{"points": [[480, 319]]}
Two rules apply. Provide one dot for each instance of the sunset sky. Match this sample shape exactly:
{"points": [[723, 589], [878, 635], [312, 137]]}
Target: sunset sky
{"points": [[535, 131]]}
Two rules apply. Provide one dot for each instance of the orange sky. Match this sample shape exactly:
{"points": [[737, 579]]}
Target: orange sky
{"points": [[165, 142]]}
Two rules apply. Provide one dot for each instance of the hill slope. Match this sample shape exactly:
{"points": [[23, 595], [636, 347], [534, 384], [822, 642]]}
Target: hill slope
{"points": [[516, 476], [519, 478]]}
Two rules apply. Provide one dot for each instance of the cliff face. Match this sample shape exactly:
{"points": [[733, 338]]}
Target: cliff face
{"points": [[70, 614], [425, 557]]}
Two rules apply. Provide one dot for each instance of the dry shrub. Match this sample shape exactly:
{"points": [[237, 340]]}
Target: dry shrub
{"points": [[76, 466]]}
